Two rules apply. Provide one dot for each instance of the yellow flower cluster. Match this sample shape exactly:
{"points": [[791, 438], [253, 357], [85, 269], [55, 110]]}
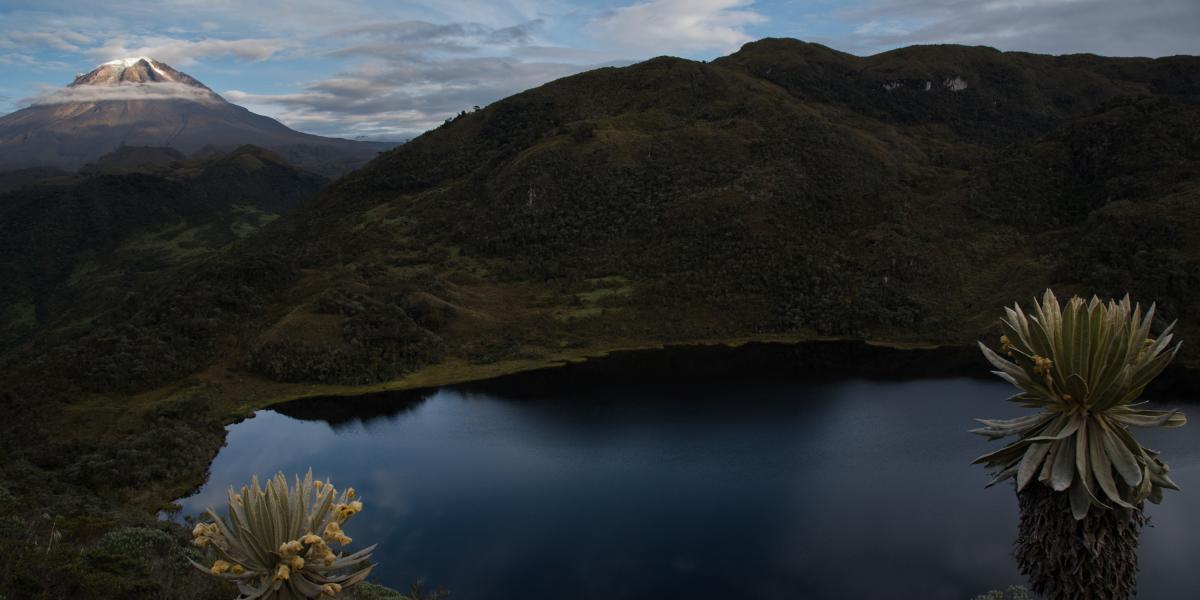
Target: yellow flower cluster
{"points": [[289, 558], [287, 549], [317, 548], [203, 534], [1041, 365], [345, 511], [324, 487], [221, 566], [282, 573], [331, 589], [1006, 345], [289, 552], [334, 533]]}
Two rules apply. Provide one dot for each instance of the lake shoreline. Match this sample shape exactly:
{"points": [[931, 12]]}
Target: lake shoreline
{"points": [[233, 401], [457, 372], [951, 360]]}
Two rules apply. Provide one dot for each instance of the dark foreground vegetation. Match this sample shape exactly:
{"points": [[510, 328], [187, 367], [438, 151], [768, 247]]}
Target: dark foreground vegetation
{"points": [[78, 245], [787, 191]]}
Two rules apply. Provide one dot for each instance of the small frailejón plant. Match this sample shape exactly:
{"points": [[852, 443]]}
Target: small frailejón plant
{"points": [[1081, 477], [278, 541]]}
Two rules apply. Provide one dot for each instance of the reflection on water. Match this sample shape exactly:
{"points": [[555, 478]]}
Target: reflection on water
{"points": [[343, 413], [759, 473]]}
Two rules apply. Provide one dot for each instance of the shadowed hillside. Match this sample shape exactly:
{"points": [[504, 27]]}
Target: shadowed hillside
{"points": [[786, 190], [79, 245]]}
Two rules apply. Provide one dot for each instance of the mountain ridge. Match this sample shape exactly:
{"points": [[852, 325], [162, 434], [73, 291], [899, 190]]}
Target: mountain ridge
{"points": [[144, 102], [675, 201]]}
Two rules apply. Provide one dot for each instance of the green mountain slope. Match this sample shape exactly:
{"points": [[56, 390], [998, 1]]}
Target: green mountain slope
{"points": [[72, 247], [785, 191]]}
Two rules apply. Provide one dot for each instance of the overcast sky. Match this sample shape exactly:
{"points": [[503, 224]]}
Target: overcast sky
{"points": [[392, 69]]}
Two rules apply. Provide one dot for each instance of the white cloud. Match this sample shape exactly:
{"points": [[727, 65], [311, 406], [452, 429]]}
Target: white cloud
{"points": [[27, 61], [182, 53], [403, 97], [122, 91], [62, 40], [678, 25], [409, 76]]}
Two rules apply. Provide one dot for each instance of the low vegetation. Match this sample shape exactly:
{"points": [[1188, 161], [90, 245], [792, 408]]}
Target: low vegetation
{"points": [[277, 542], [1014, 592]]}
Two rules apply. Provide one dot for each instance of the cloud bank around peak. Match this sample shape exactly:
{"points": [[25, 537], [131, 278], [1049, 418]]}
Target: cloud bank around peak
{"points": [[121, 92]]}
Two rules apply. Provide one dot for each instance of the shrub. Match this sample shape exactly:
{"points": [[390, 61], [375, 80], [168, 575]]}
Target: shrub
{"points": [[141, 563], [275, 542], [1084, 364], [370, 591]]}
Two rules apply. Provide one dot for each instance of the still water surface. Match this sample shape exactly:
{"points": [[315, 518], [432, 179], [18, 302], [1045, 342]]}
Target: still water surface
{"points": [[706, 482]]}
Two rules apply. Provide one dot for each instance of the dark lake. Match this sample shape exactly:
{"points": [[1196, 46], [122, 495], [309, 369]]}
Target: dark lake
{"points": [[821, 471]]}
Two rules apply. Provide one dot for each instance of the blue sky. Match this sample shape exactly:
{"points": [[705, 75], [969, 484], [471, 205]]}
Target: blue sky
{"points": [[390, 70]]}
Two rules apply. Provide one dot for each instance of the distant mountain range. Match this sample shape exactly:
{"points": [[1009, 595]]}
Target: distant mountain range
{"points": [[144, 102], [787, 191]]}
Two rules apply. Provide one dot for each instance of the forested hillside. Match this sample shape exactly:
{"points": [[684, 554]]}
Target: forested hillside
{"points": [[785, 190]]}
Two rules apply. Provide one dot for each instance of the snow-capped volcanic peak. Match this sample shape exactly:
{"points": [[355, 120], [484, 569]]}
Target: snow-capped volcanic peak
{"points": [[140, 69], [140, 101]]}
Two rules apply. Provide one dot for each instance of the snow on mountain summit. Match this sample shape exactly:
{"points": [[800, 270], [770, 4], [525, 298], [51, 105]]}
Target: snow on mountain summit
{"points": [[129, 62], [140, 69], [129, 79]]}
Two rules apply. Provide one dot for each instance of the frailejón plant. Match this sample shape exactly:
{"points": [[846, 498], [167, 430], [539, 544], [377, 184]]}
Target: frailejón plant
{"points": [[277, 542], [1084, 364]]}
